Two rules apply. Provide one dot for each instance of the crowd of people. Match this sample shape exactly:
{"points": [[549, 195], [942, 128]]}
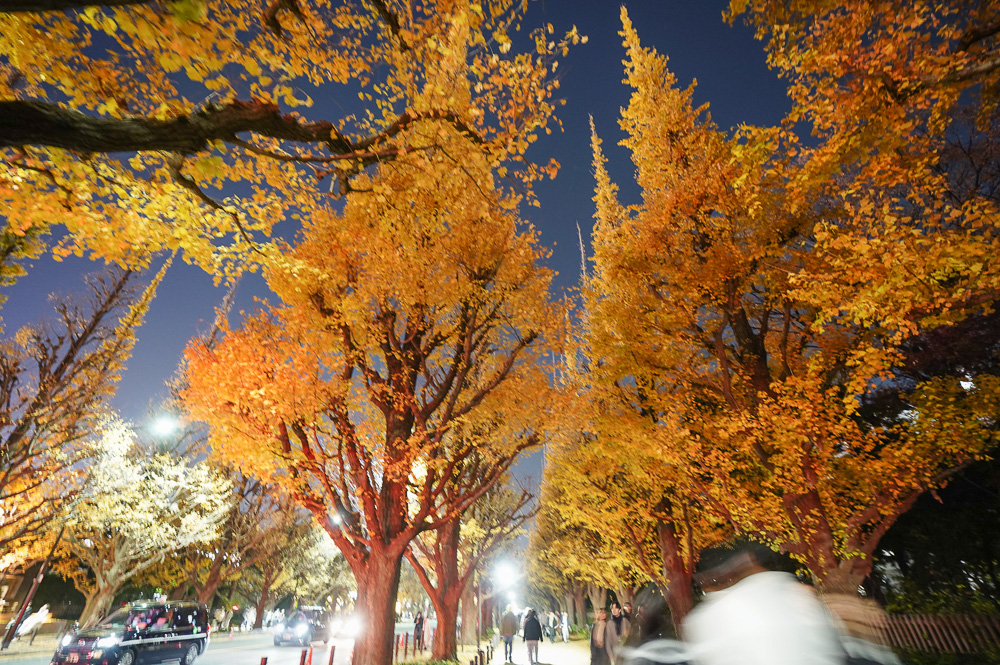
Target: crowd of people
{"points": [[533, 628], [751, 613]]}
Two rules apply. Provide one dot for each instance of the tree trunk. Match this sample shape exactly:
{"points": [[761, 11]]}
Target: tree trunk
{"points": [[469, 613], [377, 588], [445, 641], [579, 604], [831, 573], [679, 593], [207, 590], [179, 591], [262, 600], [445, 596], [97, 605], [598, 596], [844, 578], [626, 594]]}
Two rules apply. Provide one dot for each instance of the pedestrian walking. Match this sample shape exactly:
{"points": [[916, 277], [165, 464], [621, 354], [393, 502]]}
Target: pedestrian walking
{"points": [[418, 631], [428, 638], [565, 627], [508, 628], [532, 636], [598, 652], [615, 632], [755, 616]]}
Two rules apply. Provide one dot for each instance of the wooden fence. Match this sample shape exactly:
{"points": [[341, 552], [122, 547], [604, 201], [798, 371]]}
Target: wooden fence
{"points": [[953, 634]]}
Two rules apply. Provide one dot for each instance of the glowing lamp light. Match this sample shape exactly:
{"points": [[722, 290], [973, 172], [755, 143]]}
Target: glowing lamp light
{"points": [[504, 574], [165, 426]]}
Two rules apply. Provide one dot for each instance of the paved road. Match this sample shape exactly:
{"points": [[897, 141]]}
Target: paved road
{"points": [[249, 649], [242, 650]]}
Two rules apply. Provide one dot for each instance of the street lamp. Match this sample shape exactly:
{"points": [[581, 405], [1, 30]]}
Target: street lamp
{"points": [[165, 425], [505, 575]]}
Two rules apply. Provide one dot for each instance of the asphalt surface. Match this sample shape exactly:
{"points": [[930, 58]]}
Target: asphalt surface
{"points": [[222, 650], [250, 649]]}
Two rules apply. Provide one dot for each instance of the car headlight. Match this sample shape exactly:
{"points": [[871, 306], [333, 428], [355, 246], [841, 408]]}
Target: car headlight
{"points": [[301, 629], [105, 642], [66, 640], [279, 627]]}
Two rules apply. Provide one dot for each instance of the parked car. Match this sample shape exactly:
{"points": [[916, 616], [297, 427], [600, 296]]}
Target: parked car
{"points": [[142, 632], [303, 626]]}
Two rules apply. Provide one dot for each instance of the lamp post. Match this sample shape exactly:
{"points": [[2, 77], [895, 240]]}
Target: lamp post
{"points": [[479, 606]]}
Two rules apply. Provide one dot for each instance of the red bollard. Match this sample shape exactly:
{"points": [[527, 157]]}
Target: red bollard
{"points": [[263, 661], [309, 660], [302, 658], [395, 653], [333, 650], [406, 645]]}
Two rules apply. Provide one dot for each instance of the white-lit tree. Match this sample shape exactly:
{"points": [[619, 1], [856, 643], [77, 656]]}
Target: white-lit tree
{"points": [[138, 508], [55, 379]]}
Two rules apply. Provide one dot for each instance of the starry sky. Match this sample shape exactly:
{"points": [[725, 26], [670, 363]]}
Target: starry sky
{"points": [[727, 62]]}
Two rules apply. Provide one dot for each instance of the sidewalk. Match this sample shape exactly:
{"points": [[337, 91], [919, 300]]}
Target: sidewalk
{"points": [[20, 647], [575, 652]]}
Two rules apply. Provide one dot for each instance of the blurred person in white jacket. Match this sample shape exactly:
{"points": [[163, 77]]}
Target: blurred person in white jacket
{"points": [[755, 616]]}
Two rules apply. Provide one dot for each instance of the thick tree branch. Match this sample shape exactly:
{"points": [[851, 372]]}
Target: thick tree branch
{"points": [[15, 6], [45, 124], [392, 22]]}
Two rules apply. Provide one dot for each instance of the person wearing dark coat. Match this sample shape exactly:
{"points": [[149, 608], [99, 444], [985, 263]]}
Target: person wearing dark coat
{"points": [[532, 636], [418, 631]]}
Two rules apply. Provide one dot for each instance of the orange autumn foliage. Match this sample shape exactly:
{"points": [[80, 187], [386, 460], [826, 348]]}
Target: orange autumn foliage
{"points": [[400, 376], [200, 125], [716, 315]]}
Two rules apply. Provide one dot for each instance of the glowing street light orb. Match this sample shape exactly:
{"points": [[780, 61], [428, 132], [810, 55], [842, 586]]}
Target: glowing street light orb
{"points": [[504, 574], [165, 426]]}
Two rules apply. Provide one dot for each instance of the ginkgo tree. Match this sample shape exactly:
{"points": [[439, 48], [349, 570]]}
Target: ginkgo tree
{"points": [[200, 125], [55, 379], [650, 525], [901, 99], [412, 341], [136, 509], [257, 524], [699, 305], [565, 553], [447, 559]]}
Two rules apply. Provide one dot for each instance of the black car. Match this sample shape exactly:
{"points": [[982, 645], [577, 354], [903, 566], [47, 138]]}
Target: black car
{"points": [[140, 633], [303, 626]]}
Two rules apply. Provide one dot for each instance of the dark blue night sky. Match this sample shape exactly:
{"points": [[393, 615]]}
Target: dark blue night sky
{"points": [[732, 76]]}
